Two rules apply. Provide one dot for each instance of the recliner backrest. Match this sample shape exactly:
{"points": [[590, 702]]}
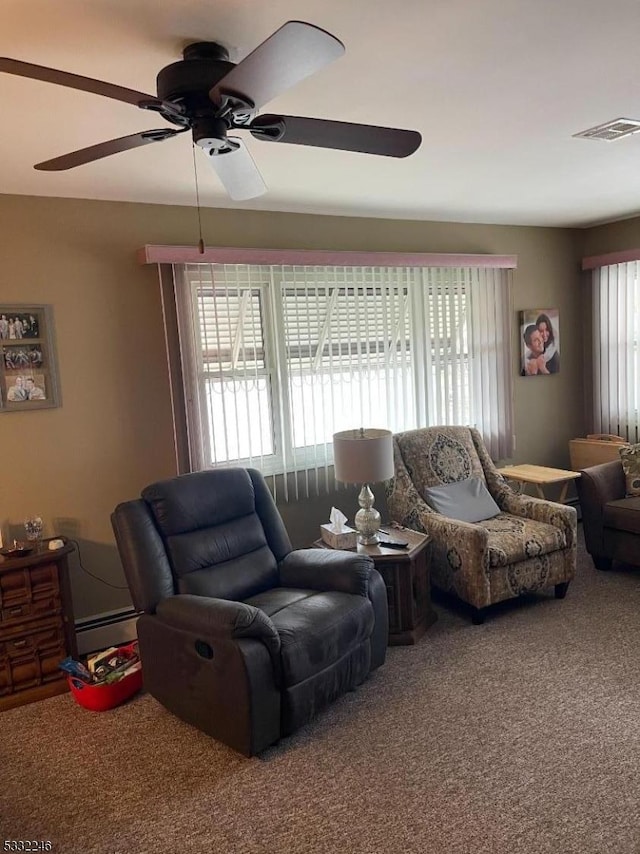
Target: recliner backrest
{"points": [[222, 532], [216, 533]]}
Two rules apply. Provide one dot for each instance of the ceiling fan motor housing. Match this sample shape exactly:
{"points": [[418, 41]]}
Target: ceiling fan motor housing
{"points": [[190, 80]]}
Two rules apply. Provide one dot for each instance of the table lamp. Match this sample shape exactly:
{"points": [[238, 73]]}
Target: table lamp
{"points": [[364, 456]]}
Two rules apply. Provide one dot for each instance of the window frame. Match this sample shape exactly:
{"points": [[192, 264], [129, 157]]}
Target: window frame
{"points": [[169, 258], [279, 367]]}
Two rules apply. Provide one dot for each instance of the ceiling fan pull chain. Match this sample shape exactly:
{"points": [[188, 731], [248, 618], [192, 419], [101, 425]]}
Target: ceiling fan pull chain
{"points": [[195, 173]]}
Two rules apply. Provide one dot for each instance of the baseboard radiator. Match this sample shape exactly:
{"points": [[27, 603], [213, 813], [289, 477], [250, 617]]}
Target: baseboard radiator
{"points": [[110, 628]]}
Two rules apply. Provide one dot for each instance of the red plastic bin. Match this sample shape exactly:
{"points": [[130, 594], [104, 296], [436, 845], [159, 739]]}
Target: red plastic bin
{"points": [[99, 698]]}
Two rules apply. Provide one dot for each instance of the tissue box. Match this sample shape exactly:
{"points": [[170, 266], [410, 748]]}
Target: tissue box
{"points": [[347, 539]]}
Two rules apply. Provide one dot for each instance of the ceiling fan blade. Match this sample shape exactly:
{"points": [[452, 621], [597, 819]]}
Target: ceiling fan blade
{"points": [[74, 81], [104, 149], [292, 53], [238, 172], [369, 139]]}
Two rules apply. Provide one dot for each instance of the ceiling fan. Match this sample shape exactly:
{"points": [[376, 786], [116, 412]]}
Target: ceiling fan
{"points": [[210, 96]]}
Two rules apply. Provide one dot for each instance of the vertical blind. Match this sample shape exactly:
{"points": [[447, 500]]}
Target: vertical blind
{"points": [[278, 358], [616, 351]]}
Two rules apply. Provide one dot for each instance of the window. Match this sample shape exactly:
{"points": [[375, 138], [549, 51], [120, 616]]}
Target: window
{"points": [[276, 358], [616, 320]]}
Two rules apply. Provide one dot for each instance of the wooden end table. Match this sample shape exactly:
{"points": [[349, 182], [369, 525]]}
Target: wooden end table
{"points": [[37, 628], [540, 476], [406, 576]]}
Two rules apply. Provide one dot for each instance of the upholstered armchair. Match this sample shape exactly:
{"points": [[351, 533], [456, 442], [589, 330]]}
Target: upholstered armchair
{"points": [[242, 636], [530, 545]]}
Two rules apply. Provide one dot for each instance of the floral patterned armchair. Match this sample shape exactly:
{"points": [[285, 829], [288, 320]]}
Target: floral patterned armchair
{"points": [[529, 546]]}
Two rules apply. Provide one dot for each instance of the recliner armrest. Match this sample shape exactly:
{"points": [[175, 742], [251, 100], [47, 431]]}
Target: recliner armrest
{"points": [[219, 618], [602, 483], [321, 569], [598, 485]]}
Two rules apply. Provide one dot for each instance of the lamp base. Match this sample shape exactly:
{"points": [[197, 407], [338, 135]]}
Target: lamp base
{"points": [[367, 520]]}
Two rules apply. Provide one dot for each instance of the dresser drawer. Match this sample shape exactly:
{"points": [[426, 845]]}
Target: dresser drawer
{"points": [[46, 637], [29, 592], [25, 610], [40, 667], [30, 656]]}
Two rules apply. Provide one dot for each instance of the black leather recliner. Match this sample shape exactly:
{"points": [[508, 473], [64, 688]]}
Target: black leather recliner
{"points": [[241, 636]]}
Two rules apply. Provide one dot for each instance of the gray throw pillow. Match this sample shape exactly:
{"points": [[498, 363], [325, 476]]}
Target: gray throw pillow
{"points": [[467, 500]]}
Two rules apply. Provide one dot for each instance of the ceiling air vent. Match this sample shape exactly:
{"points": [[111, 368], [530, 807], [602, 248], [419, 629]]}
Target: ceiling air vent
{"points": [[609, 131]]}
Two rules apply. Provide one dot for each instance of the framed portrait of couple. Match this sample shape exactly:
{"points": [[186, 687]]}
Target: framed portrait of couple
{"points": [[28, 370], [539, 342]]}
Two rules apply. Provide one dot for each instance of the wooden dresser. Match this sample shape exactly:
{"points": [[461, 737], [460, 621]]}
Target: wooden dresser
{"points": [[36, 625]]}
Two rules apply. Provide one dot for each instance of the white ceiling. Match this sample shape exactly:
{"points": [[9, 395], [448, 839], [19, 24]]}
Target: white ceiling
{"points": [[496, 88]]}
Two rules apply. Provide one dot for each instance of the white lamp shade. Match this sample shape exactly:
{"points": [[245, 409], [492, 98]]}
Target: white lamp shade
{"points": [[363, 456]]}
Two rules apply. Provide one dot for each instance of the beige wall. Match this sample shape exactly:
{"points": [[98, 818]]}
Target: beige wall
{"points": [[112, 435], [613, 237]]}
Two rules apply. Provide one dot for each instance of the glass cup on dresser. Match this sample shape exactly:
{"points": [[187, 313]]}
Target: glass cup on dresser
{"points": [[34, 527]]}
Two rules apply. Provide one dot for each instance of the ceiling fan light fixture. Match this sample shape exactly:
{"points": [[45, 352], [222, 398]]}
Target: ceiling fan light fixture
{"points": [[212, 145], [209, 132]]}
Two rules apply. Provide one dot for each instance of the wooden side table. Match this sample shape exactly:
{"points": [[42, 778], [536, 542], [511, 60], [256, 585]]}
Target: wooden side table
{"points": [[540, 476], [406, 576], [37, 628]]}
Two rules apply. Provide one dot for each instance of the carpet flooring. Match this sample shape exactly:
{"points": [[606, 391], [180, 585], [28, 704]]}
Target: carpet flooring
{"points": [[521, 735]]}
